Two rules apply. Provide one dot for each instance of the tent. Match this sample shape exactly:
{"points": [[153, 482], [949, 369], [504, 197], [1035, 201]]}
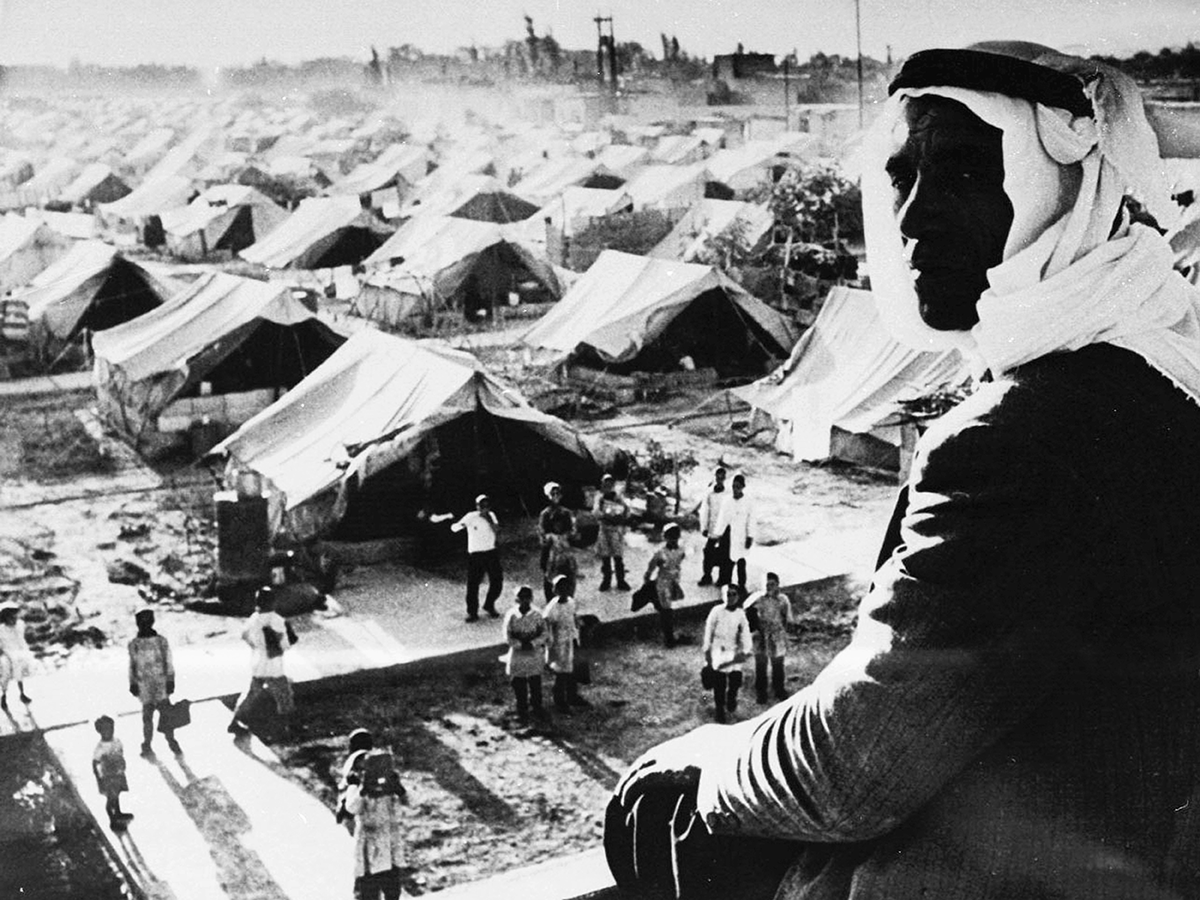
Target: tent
{"points": [[634, 313], [224, 217], [667, 187], [389, 429], [571, 212], [91, 287], [710, 218], [398, 167], [437, 262], [27, 247], [323, 232], [547, 181], [145, 205], [221, 350], [846, 376], [94, 185]]}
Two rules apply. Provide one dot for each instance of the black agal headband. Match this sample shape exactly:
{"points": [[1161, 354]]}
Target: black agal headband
{"points": [[979, 70]]}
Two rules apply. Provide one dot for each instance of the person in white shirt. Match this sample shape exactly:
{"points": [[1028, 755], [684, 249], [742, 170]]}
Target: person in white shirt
{"points": [[482, 527], [726, 647], [710, 511], [269, 636], [737, 525]]}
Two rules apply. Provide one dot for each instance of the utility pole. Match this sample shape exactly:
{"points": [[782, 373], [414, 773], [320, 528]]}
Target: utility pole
{"points": [[605, 46], [787, 91], [858, 38]]}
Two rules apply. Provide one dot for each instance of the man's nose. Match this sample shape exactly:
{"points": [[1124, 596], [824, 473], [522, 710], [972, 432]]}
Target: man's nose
{"points": [[921, 208]]}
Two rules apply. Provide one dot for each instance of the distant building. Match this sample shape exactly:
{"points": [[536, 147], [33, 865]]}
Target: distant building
{"points": [[730, 67]]}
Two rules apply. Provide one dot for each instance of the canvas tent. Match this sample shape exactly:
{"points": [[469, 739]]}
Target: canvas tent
{"points": [[438, 262], [94, 185], [27, 247], [846, 376], [633, 313], [141, 210], [667, 187], [220, 351], [387, 429], [91, 287], [224, 217], [323, 232], [708, 219]]}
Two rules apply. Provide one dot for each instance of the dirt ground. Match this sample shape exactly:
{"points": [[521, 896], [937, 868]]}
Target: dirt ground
{"points": [[86, 538]]}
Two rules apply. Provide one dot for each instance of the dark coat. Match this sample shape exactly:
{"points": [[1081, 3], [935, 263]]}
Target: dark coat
{"points": [[1016, 715]]}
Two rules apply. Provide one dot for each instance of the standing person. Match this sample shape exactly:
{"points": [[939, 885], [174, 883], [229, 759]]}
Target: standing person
{"points": [[16, 660], [665, 567], [375, 799], [108, 765], [769, 612], [483, 558], [525, 632], [715, 550], [269, 636], [1017, 713], [562, 634], [359, 741], [556, 525], [737, 524], [151, 677], [726, 647], [612, 511]]}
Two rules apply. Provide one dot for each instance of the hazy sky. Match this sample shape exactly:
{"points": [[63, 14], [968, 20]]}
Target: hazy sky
{"points": [[211, 33]]}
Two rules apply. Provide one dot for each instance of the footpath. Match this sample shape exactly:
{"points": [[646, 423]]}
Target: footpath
{"points": [[221, 819]]}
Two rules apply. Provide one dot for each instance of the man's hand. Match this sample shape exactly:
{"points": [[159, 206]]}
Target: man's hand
{"points": [[133, 689], [652, 807]]}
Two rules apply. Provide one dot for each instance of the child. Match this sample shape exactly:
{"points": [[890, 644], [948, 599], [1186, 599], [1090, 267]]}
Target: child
{"points": [[668, 561], [108, 765], [16, 661], [151, 678]]}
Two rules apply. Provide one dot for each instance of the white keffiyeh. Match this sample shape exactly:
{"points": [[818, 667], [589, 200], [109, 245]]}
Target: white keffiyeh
{"points": [[1067, 279]]}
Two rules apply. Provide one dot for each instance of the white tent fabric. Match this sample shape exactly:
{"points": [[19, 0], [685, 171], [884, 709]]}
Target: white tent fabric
{"points": [[400, 161], [307, 232], [572, 211], [623, 160], [27, 247], [547, 181], [710, 218], [59, 296], [624, 302], [679, 149], [91, 180], [667, 187], [150, 198], [745, 167], [211, 215], [365, 408], [846, 371], [143, 365]]}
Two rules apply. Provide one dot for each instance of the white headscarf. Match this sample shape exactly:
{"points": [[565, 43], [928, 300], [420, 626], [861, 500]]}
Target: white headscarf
{"points": [[1067, 279]]}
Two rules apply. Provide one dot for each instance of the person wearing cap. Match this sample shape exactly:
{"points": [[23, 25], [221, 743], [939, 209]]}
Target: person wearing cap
{"points": [[556, 526], [737, 524], [270, 636], [1016, 712], [151, 677], [612, 511], [664, 569], [715, 551], [562, 638], [482, 528], [16, 659], [526, 635]]}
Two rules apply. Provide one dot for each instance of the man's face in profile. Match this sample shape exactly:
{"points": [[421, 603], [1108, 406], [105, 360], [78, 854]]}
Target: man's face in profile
{"points": [[947, 173]]}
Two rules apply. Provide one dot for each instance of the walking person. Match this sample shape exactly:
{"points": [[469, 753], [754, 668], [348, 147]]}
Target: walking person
{"points": [[562, 634], [556, 525], [16, 659], [726, 647], [526, 634], [715, 550], [737, 525], [612, 512], [374, 796], [151, 677], [108, 765], [269, 636], [665, 569], [483, 557], [769, 612]]}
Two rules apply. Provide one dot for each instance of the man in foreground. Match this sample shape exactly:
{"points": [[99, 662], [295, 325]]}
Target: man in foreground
{"points": [[1016, 714]]}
